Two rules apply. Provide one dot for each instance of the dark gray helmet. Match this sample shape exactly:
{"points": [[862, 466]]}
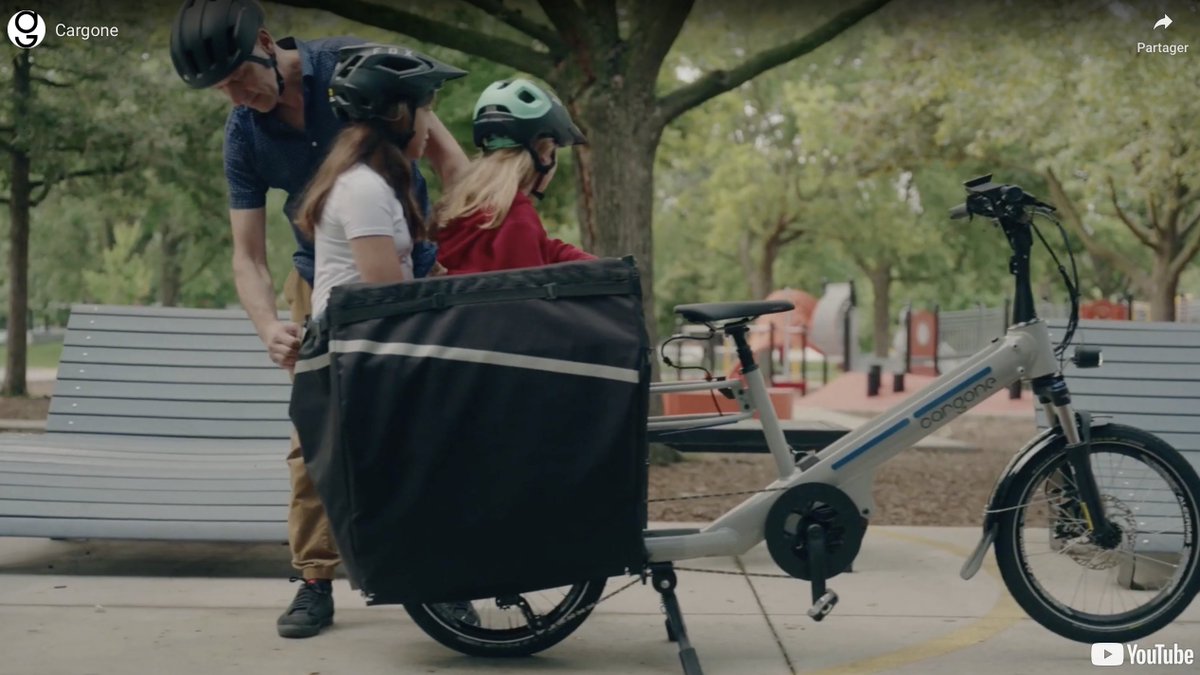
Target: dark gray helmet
{"points": [[370, 79], [211, 38]]}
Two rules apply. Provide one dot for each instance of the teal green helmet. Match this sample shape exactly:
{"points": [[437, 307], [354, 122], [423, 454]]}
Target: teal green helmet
{"points": [[516, 113]]}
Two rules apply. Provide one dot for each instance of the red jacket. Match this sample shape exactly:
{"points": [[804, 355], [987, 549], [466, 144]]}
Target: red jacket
{"points": [[519, 241]]}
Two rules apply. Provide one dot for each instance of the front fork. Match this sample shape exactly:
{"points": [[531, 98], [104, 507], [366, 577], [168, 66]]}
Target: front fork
{"points": [[1076, 427]]}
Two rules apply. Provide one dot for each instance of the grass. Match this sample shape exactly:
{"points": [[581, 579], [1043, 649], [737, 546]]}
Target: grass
{"points": [[42, 355]]}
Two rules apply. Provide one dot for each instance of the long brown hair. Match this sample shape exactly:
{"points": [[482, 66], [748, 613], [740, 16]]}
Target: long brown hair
{"points": [[367, 143]]}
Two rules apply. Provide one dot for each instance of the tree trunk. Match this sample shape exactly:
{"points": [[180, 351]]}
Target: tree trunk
{"points": [[1163, 287], [170, 270], [18, 250], [764, 276], [881, 287], [616, 177]]}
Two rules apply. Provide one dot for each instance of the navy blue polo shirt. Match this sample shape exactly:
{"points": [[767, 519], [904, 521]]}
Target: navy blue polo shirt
{"points": [[262, 152]]}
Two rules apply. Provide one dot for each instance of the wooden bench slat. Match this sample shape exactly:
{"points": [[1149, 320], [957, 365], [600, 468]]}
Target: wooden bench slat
{"points": [[279, 483], [71, 495], [138, 310], [144, 474], [174, 391], [178, 341], [167, 374], [194, 325], [104, 511], [209, 410], [165, 357], [169, 428], [141, 528]]}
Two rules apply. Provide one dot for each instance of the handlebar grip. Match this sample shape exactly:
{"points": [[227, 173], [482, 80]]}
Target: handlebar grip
{"points": [[959, 212]]}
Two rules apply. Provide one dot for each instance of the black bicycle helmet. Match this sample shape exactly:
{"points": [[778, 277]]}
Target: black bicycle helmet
{"points": [[370, 79], [211, 38], [516, 113]]}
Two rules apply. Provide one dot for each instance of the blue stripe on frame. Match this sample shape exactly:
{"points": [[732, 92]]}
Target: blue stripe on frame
{"points": [[937, 402], [869, 444]]}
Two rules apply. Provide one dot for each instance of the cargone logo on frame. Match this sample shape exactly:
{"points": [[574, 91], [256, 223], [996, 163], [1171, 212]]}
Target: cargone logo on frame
{"points": [[26, 29]]}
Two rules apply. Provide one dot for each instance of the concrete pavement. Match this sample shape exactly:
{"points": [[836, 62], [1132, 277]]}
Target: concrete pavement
{"points": [[207, 609]]}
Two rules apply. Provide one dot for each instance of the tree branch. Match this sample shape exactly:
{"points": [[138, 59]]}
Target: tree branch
{"points": [[45, 185], [1137, 230], [514, 18], [1096, 250], [603, 13], [49, 83], [399, 21], [717, 82], [1190, 249], [656, 27], [567, 17]]}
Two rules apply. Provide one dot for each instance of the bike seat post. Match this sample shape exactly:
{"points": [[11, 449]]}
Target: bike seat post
{"points": [[738, 332], [760, 398]]}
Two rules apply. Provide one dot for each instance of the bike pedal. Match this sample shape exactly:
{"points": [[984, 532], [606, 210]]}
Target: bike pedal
{"points": [[823, 606]]}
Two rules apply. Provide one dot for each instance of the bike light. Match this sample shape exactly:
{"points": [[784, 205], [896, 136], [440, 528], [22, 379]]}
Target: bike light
{"points": [[1087, 357]]}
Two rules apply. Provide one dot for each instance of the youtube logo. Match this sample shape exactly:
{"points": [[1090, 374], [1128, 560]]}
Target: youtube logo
{"points": [[1108, 654]]}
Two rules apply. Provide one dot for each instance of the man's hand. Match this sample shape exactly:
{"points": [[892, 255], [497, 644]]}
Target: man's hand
{"points": [[283, 343]]}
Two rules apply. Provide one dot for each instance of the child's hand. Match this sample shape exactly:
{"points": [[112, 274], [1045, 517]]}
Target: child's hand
{"points": [[438, 270]]}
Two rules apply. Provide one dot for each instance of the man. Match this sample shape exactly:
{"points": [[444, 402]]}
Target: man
{"points": [[276, 136]]}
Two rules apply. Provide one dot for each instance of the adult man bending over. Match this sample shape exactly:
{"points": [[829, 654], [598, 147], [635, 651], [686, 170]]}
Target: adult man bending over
{"points": [[276, 136]]}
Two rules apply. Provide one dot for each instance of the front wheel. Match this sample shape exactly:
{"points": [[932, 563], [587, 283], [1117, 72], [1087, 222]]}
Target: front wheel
{"points": [[1118, 590], [518, 625]]}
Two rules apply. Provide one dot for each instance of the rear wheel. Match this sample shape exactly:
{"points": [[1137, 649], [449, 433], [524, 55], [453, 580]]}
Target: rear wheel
{"points": [[1090, 590], [518, 625]]}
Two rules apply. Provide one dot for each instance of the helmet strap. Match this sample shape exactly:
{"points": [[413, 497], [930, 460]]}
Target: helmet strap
{"points": [[537, 161], [269, 63], [542, 170]]}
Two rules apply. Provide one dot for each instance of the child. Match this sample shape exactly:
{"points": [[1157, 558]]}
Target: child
{"points": [[360, 205], [486, 221]]}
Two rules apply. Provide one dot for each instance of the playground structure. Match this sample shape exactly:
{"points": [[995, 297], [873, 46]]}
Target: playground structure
{"points": [[817, 334]]}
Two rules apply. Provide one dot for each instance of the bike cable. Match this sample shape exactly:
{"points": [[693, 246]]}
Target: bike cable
{"points": [[708, 376], [1071, 281]]}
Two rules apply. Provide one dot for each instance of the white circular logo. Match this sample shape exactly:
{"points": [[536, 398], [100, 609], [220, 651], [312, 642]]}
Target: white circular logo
{"points": [[26, 29]]}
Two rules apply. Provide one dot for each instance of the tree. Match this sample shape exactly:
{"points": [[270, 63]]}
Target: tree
{"points": [[1104, 126], [48, 140], [604, 61]]}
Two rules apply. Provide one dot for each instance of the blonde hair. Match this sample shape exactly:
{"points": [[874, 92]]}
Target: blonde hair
{"points": [[489, 184], [367, 143]]}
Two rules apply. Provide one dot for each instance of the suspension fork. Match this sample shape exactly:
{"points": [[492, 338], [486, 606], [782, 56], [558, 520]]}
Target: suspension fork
{"points": [[1076, 427]]}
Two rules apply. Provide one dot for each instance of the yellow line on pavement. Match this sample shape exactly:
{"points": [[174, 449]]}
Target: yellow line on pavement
{"points": [[1002, 615]]}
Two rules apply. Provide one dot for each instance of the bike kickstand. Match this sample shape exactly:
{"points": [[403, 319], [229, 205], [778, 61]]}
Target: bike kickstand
{"points": [[662, 575]]}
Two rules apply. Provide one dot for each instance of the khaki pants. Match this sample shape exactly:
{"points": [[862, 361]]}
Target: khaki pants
{"points": [[314, 551]]}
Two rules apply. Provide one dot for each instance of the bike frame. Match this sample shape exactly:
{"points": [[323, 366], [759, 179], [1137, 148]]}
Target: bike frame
{"points": [[1024, 353]]}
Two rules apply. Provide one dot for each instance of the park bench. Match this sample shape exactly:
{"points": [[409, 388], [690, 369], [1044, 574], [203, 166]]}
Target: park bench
{"points": [[172, 423], [1150, 378], [165, 424]]}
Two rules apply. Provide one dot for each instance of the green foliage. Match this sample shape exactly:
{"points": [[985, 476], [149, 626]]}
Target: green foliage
{"points": [[124, 276]]}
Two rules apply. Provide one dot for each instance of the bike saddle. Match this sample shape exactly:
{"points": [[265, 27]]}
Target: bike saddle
{"points": [[710, 312]]}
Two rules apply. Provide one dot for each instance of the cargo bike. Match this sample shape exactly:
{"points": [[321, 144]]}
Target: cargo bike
{"points": [[480, 443]]}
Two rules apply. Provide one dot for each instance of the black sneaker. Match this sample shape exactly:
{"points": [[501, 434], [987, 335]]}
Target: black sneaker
{"points": [[310, 611]]}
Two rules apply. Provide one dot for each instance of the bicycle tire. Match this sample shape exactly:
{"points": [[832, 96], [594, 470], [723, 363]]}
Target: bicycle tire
{"points": [[475, 640], [1079, 626]]}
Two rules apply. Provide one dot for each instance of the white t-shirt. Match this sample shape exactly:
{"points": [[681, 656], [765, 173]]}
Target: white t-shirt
{"points": [[361, 204]]}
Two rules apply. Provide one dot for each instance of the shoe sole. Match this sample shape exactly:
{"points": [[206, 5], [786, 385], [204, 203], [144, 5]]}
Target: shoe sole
{"points": [[294, 631]]}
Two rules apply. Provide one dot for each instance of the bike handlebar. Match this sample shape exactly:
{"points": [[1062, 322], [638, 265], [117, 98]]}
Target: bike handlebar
{"points": [[994, 200]]}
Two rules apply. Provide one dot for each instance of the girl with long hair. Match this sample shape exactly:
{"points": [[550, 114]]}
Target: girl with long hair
{"points": [[359, 207]]}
